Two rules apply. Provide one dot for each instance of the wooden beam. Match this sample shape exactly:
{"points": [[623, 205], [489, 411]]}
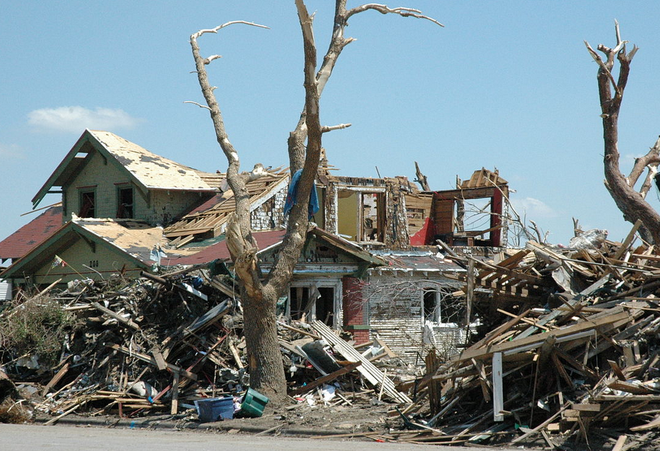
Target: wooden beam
{"points": [[322, 380], [498, 388], [535, 341], [110, 313], [151, 360]]}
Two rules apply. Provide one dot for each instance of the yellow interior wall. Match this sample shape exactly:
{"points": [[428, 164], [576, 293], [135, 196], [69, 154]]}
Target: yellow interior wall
{"points": [[347, 214]]}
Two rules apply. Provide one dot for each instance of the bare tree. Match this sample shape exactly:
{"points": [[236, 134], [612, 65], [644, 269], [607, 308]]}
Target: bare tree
{"points": [[260, 293], [631, 202]]}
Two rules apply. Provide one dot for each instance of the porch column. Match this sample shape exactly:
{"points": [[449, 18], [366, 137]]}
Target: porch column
{"points": [[353, 305]]}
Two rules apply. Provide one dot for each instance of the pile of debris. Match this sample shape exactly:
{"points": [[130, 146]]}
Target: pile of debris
{"points": [[563, 345], [571, 349], [160, 344]]}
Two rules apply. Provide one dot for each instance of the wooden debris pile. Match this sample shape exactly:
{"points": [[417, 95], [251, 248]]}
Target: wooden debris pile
{"points": [[140, 345], [571, 349], [159, 343]]}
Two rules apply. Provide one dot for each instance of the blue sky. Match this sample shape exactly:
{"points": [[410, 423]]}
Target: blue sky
{"points": [[506, 85]]}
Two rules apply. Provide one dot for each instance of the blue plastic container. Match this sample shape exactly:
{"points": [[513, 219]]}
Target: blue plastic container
{"points": [[215, 409]]}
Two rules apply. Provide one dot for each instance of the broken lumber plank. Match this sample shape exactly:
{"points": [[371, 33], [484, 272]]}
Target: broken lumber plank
{"points": [[577, 365], [56, 378], [367, 369], [627, 398], [483, 378], [526, 320], [78, 403], [628, 240], [110, 313], [300, 331], [234, 353], [650, 425], [621, 441], [549, 254], [151, 360], [541, 426], [586, 407], [534, 341], [617, 370], [514, 260], [561, 369], [160, 360], [207, 318], [498, 388], [175, 394], [578, 299], [629, 388]]}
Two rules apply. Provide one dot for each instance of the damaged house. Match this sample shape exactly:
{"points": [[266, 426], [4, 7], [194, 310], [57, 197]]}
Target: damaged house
{"points": [[117, 197], [371, 266]]}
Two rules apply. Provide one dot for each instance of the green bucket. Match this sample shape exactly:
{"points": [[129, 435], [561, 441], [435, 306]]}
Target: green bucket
{"points": [[253, 403]]}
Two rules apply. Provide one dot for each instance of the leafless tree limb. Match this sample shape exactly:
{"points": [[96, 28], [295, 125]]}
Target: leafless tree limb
{"points": [[329, 128], [651, 158], [197, 35], [258, 293], [198, 104], [630, 202], [384, 9]]}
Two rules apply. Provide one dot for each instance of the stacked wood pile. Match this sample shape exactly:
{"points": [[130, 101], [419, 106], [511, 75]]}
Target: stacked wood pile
{"points": [[571, 350]]}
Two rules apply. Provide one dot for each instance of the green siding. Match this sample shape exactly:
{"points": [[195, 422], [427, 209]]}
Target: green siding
{"points": [[103, 259], [159, 207]]}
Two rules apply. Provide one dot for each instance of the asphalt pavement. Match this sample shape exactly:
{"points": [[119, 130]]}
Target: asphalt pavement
{"points": [[91, 438]]}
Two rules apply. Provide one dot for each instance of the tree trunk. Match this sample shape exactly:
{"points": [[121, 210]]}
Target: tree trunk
{"points": [[630, 202], [265, 360], [259, 294]]}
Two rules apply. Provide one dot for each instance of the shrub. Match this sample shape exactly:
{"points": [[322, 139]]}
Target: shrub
{"points": [[36, 327]]}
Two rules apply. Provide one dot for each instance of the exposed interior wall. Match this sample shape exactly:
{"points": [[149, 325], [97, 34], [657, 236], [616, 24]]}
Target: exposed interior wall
{"points": [[270, 214], [396, 221], [347, 214], [164, 206]]}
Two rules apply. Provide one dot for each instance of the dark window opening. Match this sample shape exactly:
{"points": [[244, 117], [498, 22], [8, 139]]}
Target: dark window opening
{"points": [[125, 203], [305, 301], [431, 306], [325, 305], [87, 205], [298, 297]]}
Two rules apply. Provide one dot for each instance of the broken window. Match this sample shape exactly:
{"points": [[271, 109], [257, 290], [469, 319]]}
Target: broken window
{"points": [[125, 203], [442, 307], [87, 204], [474, 219], [312, 302], [472, 214]]}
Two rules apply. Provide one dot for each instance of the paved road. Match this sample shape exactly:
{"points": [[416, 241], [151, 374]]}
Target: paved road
{"points": [[71, 438]]}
